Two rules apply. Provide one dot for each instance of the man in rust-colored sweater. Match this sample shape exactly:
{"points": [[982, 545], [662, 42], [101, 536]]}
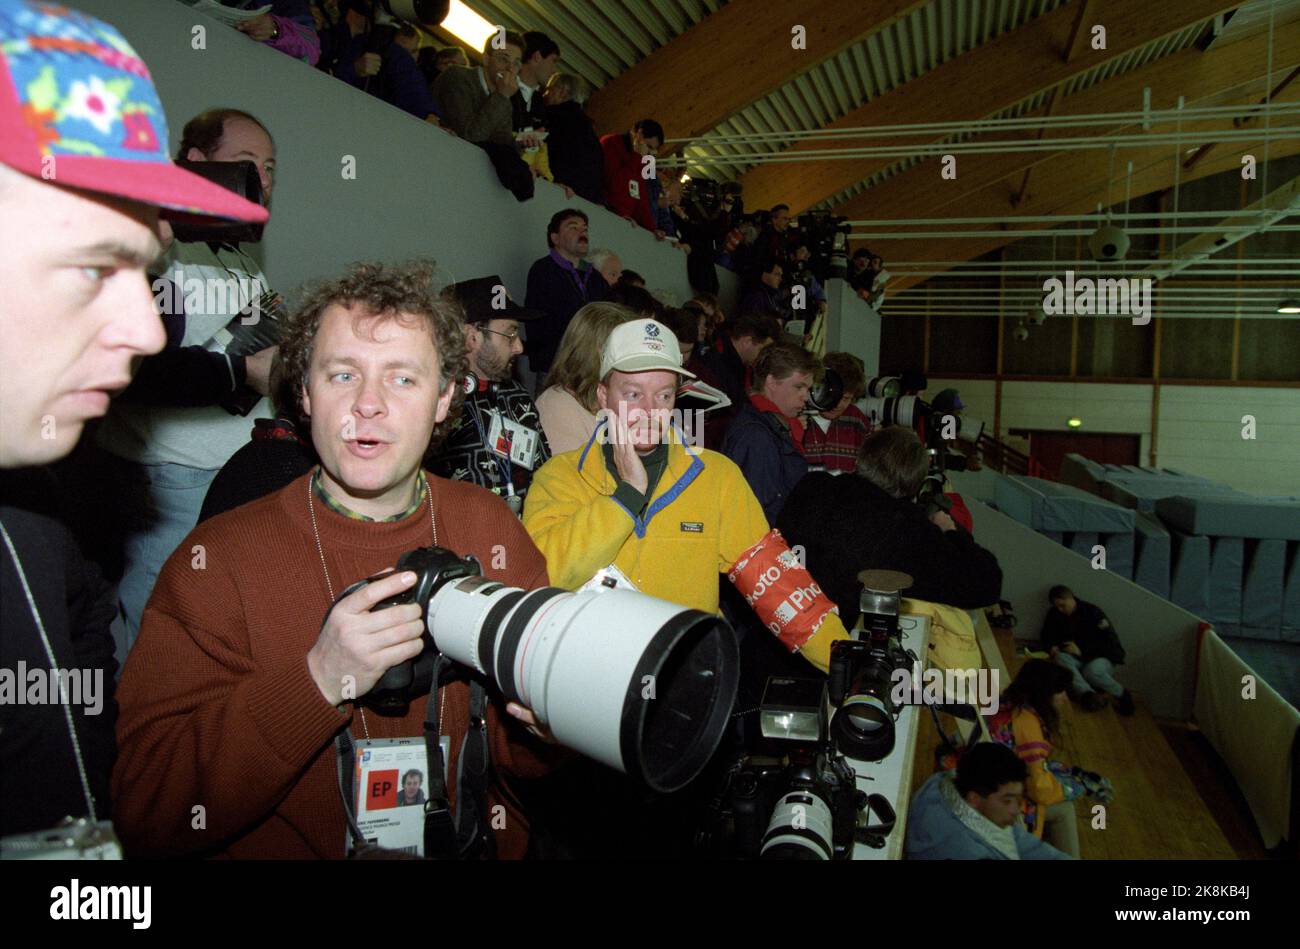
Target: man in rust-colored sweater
{"points": [[234, 693]]}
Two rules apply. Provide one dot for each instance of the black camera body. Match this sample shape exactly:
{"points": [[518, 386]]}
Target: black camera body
{"points": [[771, 799], [434, 567]]}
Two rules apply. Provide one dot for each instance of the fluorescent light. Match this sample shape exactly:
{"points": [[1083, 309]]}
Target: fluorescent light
{"points": [[1074, 421], [467, 26], [685, 178], [1290, 305]]}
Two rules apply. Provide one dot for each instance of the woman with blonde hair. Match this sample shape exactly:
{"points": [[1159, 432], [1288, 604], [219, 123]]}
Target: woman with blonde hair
{"points": [[568, 405]]}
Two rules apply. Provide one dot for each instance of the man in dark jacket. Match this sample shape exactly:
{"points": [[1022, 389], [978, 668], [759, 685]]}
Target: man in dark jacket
{"points": [[558, 285], [766, 437], [365, 53], [572, 144], [725, 365], [77, 311], [868, 520], [498, 442], [1081, 638]]}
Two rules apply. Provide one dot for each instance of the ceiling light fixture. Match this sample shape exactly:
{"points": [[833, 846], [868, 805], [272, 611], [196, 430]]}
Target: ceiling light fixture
{"points": [[467, 26]]}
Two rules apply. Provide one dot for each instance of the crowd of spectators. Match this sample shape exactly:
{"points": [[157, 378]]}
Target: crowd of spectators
{"points": [[383, 400]]}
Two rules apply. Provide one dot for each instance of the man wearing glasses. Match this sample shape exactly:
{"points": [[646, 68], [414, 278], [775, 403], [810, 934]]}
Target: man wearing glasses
{"points": [[498, 442], [475, 103]]}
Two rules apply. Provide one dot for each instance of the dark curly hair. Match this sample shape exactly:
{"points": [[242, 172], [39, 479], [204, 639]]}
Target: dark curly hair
{"points": [[389, 291]]}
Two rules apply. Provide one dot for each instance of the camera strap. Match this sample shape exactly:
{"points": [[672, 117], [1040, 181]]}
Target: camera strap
{"points": [[465, 833], [473, 768]]}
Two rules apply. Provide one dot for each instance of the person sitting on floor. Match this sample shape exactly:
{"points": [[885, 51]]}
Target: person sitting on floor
{"points": [[1025, 722], [1080, 637]]}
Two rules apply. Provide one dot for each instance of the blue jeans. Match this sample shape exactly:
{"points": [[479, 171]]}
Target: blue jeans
{"points": [[1095, 674], [160, 506]]}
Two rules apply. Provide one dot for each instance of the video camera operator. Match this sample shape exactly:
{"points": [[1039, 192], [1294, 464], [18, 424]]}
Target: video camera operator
{"points": [[869, 520], [705, 217], [192, 406]]}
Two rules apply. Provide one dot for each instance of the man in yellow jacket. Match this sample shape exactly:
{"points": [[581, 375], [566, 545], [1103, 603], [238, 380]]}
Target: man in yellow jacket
{"points": [[669, 516]]}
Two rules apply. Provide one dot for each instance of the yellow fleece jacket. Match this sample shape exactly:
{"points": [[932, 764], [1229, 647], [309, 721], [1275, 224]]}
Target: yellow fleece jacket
{"points": [[700, 519]]}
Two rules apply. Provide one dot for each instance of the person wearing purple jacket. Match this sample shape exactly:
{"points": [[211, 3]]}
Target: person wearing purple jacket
{"points": [[558, 284]]}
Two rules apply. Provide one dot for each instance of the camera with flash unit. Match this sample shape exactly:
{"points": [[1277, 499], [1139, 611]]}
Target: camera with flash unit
{"points": [[862, 671], [790, 795]]}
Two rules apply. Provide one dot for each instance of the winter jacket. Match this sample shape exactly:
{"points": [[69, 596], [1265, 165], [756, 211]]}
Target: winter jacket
{"points": [[701, 516], [941, 826], [765, 451], [627, 193], [576, 156], [846, 524], [557, 292]]}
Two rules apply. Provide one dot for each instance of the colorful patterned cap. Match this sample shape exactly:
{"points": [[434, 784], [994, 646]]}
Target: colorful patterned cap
{"points": [[78, 108]]}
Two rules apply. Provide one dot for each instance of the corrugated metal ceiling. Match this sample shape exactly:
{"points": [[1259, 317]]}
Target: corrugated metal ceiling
{"points": [[600, 39], [1127, 63]]}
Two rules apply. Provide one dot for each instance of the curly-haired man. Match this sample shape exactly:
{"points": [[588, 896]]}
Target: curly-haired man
{"points": [[243, 676]]}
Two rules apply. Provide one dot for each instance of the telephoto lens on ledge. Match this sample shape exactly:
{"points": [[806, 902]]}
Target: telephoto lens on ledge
{"points": [[637, 683], [237, 176]]}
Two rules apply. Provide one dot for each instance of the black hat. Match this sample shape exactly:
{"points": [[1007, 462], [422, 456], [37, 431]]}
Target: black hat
{"points": [[486, 298]]}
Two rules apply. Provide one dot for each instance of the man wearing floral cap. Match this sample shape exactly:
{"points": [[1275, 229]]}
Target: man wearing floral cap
{"points": [[84, 178]]}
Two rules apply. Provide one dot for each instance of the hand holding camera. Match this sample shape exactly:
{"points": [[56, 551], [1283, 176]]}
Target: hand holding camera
{"points": [[364, 645]]}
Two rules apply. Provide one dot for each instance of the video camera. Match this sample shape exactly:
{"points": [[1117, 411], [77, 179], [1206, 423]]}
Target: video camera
{"points": [[637, 683], [827, 238], [886, 405], [239, 177]]}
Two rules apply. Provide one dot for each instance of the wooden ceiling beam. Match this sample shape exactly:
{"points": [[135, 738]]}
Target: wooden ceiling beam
{"points": [[734, 57], [1070, 184], [1199, 77], [977, 84]]}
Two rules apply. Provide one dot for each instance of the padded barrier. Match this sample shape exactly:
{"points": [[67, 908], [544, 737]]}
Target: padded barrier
{"points": [[1240, 516], [1291, 594], [1261, 607], [1227, 568], [1061, 507], [1189, 576], [1083, 473], [1152, 557]]}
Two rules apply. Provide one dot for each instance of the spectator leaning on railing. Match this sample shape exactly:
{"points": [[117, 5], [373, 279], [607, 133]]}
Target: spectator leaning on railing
{"points": [[362, 50], [575, 153], [626, 186]]}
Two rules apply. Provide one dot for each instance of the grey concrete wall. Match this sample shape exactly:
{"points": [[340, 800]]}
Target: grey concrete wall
{"points": [[417, 192], [1160, 638], [852, 326]]}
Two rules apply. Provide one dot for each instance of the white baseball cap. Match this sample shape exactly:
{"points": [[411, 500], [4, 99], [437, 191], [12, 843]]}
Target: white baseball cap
{"points": [[642, 346]]}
